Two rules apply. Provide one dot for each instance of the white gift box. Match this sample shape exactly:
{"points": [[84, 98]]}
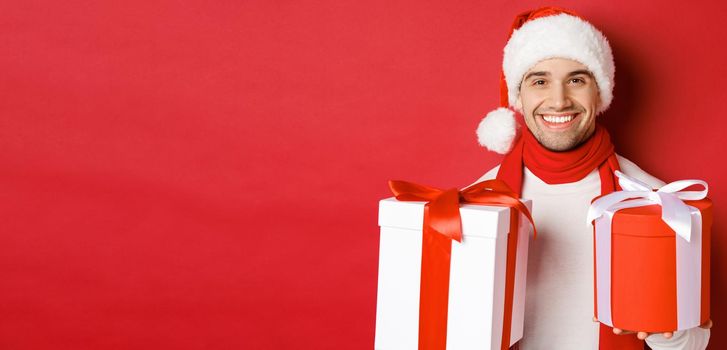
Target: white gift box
{"points": [[477, 277]]}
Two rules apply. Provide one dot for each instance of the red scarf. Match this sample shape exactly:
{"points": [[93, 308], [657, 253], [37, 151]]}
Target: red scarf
{"points": [[561, 167], [564, 167]]}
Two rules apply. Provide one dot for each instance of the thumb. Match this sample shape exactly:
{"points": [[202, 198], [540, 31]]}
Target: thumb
{"points": [[707, 325]]}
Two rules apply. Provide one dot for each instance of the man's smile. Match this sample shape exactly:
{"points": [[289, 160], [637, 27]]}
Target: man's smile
{"points": [[559, 121]]}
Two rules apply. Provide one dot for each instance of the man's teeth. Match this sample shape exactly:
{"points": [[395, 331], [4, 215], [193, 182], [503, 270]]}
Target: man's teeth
{"points": [[558, 119]]}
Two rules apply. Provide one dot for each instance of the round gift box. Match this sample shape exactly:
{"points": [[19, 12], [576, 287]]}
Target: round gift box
{"points": [[644, 269]]}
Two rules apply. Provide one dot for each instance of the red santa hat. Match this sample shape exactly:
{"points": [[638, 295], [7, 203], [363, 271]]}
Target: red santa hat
{"points": [[547, 32]]}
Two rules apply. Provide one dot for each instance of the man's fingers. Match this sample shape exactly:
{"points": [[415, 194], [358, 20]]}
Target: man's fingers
{"points": [[642, 335], [621, 331], [707, 325]]}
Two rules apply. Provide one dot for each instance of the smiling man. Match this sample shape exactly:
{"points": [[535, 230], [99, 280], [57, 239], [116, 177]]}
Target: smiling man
{"points": [[558, 73], [559, 98]]}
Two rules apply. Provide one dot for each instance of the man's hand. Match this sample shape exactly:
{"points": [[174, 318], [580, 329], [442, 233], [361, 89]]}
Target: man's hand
{"points": [[643, 335]]}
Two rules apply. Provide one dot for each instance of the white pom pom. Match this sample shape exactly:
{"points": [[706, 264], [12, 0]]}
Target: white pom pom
{"points": [[497, 130]]}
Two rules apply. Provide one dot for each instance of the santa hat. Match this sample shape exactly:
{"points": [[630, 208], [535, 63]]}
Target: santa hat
{"points": [[547, 32]]}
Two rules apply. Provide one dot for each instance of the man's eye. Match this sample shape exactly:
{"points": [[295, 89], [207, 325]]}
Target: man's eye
{"points": [[577, 80], [539, 82]]}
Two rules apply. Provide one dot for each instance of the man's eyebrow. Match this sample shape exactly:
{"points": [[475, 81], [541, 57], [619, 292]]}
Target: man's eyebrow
{"points": [[581, 71], [538, 74]]}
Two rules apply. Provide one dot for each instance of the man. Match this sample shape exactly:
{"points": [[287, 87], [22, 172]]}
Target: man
{"points": [[558, 72]]}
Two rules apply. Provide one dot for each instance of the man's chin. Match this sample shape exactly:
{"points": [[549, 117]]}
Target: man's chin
{"points": [[558, 144]]}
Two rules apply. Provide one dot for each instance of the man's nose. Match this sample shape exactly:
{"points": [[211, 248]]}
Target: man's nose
{"points": [[559, 98]]}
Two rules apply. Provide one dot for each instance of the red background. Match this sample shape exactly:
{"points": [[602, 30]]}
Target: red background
{"points": [[195, 174]]}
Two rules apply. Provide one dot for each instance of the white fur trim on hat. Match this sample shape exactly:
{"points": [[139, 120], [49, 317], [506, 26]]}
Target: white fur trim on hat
{"points": [[562, 36], [497, 130]]}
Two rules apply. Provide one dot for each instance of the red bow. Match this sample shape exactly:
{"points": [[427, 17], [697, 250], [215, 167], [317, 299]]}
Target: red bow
{"points": [[443, 205]]}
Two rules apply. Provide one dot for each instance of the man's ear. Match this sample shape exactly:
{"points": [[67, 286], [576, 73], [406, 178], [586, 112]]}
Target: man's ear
{"points": [[599, 102], [519, 104]]}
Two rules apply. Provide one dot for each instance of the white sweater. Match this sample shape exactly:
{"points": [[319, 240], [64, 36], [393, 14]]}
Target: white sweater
{"points": [[559, 295]]}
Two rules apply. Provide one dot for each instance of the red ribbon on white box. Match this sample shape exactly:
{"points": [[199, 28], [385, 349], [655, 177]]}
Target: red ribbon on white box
{"points": [[685, 220]]}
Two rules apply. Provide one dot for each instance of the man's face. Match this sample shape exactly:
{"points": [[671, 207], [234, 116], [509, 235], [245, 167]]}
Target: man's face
{"points": [[559, 99]]}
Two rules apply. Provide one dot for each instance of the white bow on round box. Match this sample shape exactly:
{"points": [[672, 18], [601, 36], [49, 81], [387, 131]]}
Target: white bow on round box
{"points": [[652, 255]]}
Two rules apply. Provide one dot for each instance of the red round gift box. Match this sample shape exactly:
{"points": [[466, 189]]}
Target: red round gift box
{"points": [[643, 268]]}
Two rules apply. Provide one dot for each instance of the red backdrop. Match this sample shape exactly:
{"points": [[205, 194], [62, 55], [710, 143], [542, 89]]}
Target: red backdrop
{"points": [[195, 174]]}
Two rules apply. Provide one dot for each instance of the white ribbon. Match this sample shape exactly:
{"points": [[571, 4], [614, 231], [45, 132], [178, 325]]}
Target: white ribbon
{"points": [[686, 221], [674, 212]]}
